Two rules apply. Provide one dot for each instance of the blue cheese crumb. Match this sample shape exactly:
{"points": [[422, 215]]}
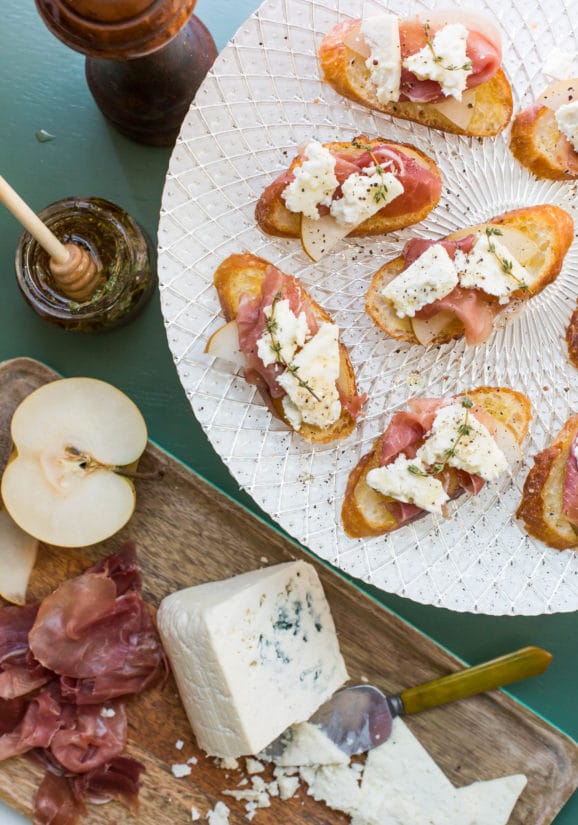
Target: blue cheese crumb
{"points": [[179, 771], [364, 194], [398, 481], [314, 183], [445, 60]]}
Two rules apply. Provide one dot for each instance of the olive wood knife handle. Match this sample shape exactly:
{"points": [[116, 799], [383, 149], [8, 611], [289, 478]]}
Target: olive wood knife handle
{"points": [[529, 661]]}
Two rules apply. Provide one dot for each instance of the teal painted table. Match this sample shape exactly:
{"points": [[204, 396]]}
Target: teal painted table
{"points": [[42, 86]]}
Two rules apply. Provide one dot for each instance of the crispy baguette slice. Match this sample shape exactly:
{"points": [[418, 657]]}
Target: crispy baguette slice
{"points": [[244, 274], [345, 70], [364, 511], [548, 226], [275, 219], [534, 141], [541, 505], [572, 339]]}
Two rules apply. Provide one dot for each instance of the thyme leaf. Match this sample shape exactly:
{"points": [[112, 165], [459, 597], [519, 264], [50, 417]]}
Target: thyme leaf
{"points": [[272, 327]]}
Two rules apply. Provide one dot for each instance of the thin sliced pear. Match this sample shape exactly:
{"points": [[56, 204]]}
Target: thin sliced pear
{"points": [[17, 558], [427, 330], [459, 112], [519, 244], [224, 343], [559, 93], [73, 440], [507, 442], [321, 236]]}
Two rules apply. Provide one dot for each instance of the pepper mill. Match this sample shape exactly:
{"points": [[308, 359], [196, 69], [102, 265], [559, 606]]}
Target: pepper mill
{"points": [[145, 59]]}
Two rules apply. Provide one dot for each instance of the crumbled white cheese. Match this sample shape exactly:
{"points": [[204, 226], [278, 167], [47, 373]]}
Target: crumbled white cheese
{"points": [[431, 276], [192, 761], [381, 33], [398, 481], [228, 763], [253, 765], [195, 814], [310, 383], [364, 195], [307, 744], [219, 815], [107, 713], [491, 267], [444, 60], [468, 447], [179, 771], [314, 182], [336, 785], [288, 786], [290, 332], [560, 65], [567, 120], [179, 744]]}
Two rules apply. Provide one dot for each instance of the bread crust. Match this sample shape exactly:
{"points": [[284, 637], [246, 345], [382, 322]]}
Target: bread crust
{"points": [[244, 273], [534, 143], [550, 225], [275, 219], [541, 505], [364, 511], [572, 339], [346, 72]]}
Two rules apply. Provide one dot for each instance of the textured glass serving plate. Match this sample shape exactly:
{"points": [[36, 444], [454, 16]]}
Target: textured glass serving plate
{"points": [[263, 98]]}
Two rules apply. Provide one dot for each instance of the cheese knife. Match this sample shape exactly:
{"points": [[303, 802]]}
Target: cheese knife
{"points": [[360, 718]]}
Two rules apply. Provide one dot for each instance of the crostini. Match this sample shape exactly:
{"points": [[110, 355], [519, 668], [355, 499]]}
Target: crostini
{"points": [[544, 137], [440, 69], [288, 347], [432, 453], [360, 187], [549, 506], [439, 290]]}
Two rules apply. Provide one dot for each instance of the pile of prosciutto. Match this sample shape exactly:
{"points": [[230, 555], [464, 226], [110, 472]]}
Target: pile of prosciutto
{"points": [[65, 664]]}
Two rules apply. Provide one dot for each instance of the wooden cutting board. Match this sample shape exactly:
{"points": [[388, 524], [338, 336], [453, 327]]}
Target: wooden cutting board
{"points": [[187, 532]]}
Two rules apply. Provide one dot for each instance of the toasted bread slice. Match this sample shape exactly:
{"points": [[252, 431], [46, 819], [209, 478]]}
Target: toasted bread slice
{"points": [[551, 230], [345, 70], [572, 339], [535, 141], [365, 512], [244, 274], [275, 219], [541, 505]]}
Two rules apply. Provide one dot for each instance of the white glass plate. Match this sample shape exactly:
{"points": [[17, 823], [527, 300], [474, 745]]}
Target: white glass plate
{"points": [[263, 98]]}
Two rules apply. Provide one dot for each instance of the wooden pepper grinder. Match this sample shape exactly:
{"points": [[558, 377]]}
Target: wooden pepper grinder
{"points": [[145, 59]]}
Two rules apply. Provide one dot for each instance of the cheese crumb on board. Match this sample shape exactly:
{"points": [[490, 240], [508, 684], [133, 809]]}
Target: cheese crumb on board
{"points": [[431, 276], [178, 771], [219, 815], [251, 655], [314, 182], [381, 33], [444, 60], [253, 765], [179, 744], [195, 814], [107, 713]]}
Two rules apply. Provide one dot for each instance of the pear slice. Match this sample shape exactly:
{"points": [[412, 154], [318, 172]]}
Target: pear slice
{"points": [[17, 558], [427, 330], [74, 441], [319, 237], [224, 343]]}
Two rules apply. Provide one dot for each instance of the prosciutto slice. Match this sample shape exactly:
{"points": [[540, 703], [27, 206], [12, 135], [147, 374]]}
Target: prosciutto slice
{"points": [[55, 803], [570, 492], [36, 728], [87, 739], [96, 632], [415, 247], [20, 673], [472, 307], [118, 779]]}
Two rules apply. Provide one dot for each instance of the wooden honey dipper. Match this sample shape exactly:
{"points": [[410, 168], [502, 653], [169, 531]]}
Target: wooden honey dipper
{"points": [[75, 272]]}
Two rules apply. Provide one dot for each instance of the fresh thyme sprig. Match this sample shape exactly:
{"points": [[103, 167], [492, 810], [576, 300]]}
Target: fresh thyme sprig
{"points": [[271, 326], [380, 193], [505, 263], [463, 430], [466, 67]]}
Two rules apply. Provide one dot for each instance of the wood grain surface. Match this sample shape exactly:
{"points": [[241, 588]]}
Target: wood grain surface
{"points": [[187, 533]]}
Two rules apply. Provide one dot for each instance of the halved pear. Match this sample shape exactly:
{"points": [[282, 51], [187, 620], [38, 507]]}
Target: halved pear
{"points": [[224, 343], [17, 557], [73, 441]]}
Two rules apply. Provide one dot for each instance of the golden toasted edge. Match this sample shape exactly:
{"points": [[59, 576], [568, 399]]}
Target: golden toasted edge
{"points": [[346, 72], [274, 218], [556, 220], [512, 408], [541, 505], [244, 273], [572, 339], [527, 144]]}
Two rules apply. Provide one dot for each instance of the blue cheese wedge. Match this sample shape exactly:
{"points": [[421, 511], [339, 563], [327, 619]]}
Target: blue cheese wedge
{"points": [[567, 120], [251, 655], [309, 381], [363, 195], [314, 182], [465, 444], [444, 60], [431, 276], [381, 34], [407, 480], [491, 267]]}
